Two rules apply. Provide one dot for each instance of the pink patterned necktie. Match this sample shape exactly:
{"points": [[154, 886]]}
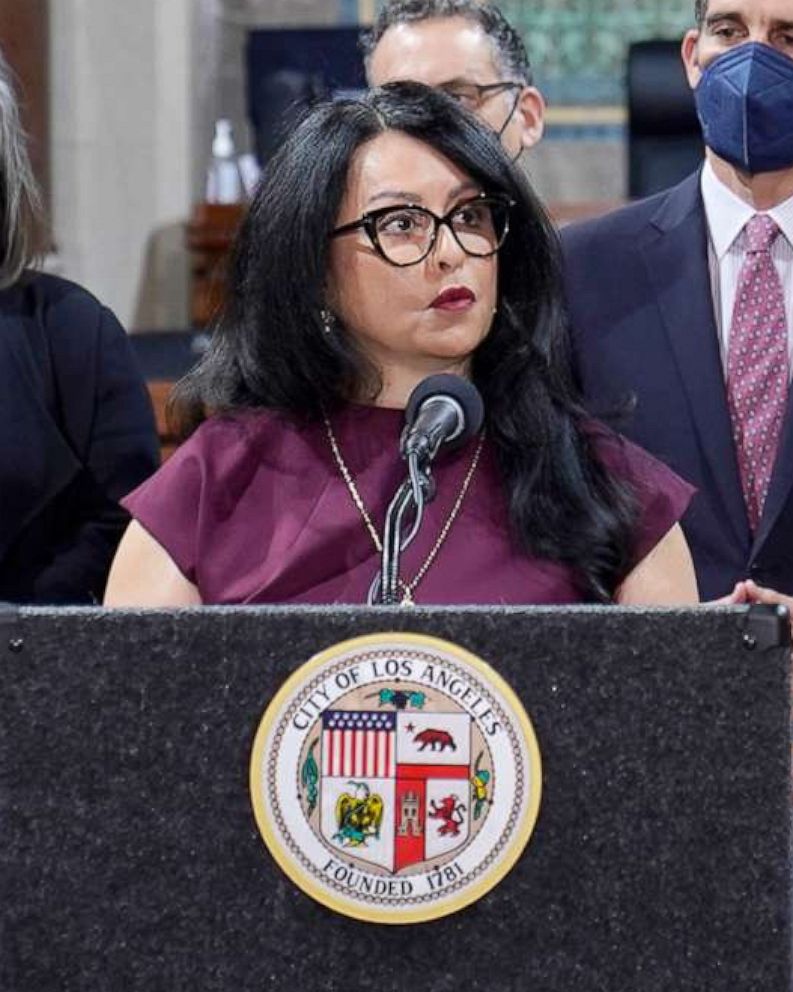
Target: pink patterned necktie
{"points": [[757, 365]]}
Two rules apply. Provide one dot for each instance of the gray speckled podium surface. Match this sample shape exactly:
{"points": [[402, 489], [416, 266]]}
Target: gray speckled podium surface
{"points": [[130, 859]]}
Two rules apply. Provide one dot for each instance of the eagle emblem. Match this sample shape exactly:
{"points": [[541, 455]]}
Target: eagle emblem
{"points": [[358, 816]]}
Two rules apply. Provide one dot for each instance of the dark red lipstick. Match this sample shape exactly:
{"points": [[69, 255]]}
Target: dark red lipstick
{"points": [[454, 298]]}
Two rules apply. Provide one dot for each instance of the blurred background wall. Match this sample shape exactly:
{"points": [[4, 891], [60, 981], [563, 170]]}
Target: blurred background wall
{"points": [[133, 88], [122, 94]]}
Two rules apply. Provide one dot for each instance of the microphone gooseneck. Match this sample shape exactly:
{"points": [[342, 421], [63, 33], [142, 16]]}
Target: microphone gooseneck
{"points": [[443, 411]]}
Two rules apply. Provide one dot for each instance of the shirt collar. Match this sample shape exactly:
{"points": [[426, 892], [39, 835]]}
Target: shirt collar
{"points": [[783, 215], [727, 214]]}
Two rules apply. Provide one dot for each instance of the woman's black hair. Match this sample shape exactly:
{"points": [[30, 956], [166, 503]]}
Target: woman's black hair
{"points": [[269, 348]]}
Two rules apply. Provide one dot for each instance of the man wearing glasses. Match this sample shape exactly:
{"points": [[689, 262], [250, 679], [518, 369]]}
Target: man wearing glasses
{"points": [[467, 49]]}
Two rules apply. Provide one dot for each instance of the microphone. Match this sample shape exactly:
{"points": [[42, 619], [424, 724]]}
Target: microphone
{"points": [[443, 411]]}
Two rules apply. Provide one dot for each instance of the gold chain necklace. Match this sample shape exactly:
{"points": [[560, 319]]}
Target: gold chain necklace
{"points": [[408, 588]]}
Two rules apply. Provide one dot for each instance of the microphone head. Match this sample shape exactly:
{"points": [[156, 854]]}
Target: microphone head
{"points": [[463, 394]]}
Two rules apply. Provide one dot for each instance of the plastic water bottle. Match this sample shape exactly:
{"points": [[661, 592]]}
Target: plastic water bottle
{"points": [[224, 182]]}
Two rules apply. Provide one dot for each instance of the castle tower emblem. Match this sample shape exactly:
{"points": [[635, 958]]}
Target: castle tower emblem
{"points": [[409, 821]]}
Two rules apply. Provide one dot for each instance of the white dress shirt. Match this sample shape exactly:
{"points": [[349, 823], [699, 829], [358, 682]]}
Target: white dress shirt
{"points": [[727, 216]]}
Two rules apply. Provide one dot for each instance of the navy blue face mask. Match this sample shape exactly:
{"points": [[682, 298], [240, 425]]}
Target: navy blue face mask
{"points": [[745, 106]]}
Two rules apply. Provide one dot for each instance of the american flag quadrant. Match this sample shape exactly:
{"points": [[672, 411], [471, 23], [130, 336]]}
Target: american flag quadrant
{"points": [[358, 744], [395, 787]]}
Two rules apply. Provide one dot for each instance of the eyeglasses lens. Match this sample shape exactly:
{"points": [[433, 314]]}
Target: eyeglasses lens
{"points": [[406, 234], [480, 226]]}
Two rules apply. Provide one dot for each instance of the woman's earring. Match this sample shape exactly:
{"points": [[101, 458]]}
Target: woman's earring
{"points": [[328, 321]]}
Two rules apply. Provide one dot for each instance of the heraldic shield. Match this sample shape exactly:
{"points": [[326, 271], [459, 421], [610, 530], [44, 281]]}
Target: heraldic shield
{"points": [[394, 786]]}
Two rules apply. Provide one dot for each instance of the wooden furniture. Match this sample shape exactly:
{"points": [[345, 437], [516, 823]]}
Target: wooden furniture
{"points": [[210, 235], [163, 357], [160, 391]]}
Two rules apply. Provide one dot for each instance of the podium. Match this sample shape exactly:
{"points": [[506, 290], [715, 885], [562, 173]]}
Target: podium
{"points": [[130, 858]]}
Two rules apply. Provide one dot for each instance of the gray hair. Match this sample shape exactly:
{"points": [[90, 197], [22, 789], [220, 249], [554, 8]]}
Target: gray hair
{"points": [[20, 201], [508, 49], [700, 9]]}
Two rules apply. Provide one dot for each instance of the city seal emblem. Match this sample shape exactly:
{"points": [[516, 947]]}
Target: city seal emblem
{"points": [[395, 778]]}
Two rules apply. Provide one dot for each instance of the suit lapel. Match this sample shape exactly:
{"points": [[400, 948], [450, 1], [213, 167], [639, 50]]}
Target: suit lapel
{"points": [[781, 481], [675, 254]]}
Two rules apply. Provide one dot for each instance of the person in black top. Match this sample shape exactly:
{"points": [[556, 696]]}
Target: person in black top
{"points": [[76, 427]]}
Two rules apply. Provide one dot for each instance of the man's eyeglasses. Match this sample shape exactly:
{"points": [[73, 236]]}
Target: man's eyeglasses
{"points": [[473, 95], [405, 235]]}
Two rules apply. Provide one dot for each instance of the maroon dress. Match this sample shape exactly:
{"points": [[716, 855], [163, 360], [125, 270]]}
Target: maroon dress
{"points": [[253, 509]]}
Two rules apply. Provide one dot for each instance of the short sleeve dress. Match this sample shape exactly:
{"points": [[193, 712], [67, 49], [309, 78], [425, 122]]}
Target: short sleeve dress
{"points": [[253, 508]]}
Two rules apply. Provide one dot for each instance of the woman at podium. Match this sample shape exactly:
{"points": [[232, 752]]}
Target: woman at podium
{"points": [[391, 240]]}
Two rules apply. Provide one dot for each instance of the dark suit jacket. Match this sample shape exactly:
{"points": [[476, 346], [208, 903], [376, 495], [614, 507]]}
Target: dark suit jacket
{"points": [[76, 434], [641, 308]]}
